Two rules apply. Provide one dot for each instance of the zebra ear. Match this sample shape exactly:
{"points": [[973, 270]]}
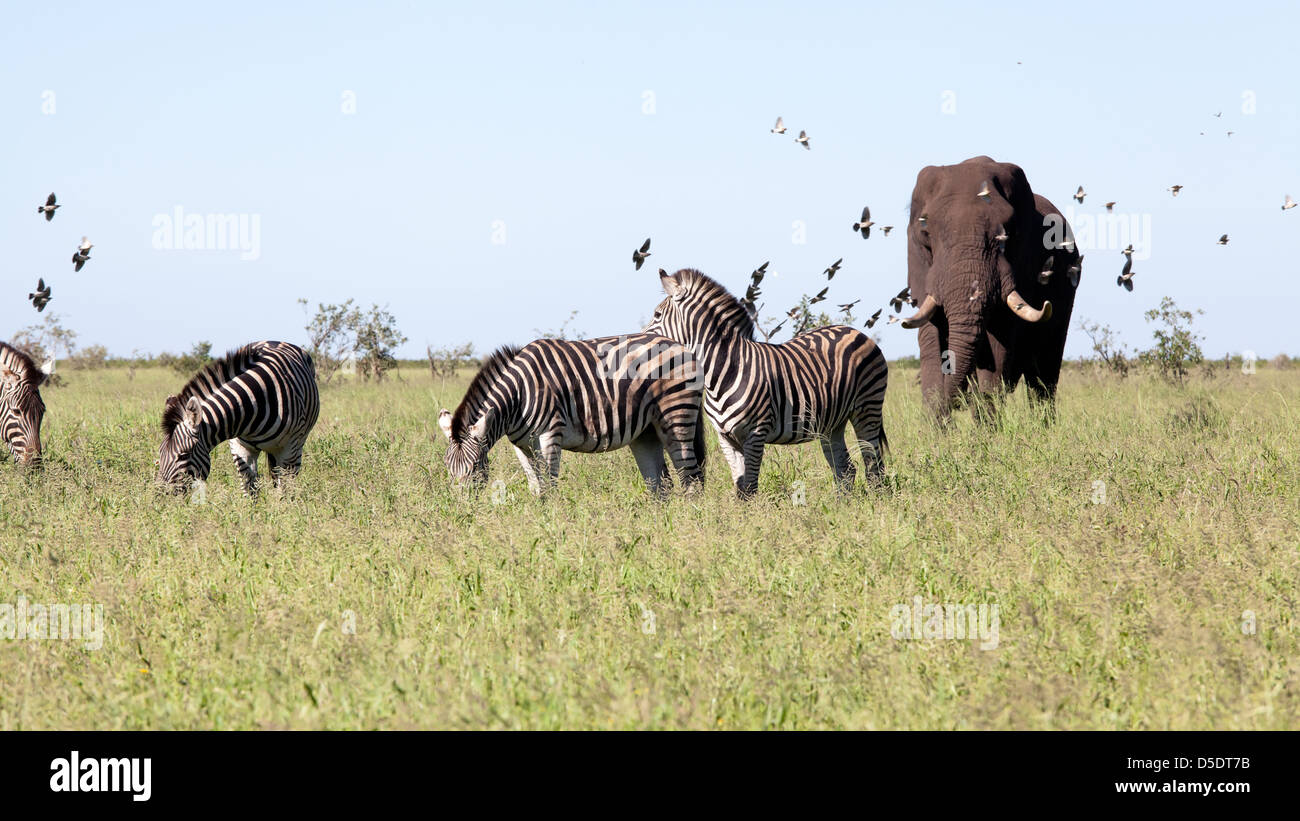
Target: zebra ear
{"points": [[671, 286], [444, 422], [193, 413], [9, 376]]}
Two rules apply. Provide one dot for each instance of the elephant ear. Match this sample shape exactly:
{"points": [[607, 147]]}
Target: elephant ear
{"points": [[919, 255], [1026, 231]]}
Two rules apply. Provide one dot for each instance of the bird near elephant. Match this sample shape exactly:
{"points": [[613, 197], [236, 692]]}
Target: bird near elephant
{"points": [[980, 243]]}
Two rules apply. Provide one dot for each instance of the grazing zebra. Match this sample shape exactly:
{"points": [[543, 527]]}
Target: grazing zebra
{"points": [[595, 395], [758, 394], [262, 397], [21, 406]]}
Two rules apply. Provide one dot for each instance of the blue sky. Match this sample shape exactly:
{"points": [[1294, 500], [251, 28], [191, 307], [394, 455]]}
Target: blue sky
{"points": [[534, 116]]}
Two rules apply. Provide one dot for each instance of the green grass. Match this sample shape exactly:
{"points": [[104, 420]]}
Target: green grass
{"points": [[530, 613]]}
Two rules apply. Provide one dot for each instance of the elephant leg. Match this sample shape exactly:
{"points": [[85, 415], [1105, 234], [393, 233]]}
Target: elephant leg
{"points": [[649, 452], [837, 456], [932, 376]]}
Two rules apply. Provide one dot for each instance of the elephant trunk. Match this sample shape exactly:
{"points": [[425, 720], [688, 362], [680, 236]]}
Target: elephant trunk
{"points": [[958, 362]]}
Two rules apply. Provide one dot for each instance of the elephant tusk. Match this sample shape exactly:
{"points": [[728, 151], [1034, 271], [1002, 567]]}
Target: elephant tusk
{"points": [[1021, 308], [922, 316]]}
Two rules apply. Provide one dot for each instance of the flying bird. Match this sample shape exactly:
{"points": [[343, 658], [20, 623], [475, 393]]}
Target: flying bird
{"points": [[848, 308], [1075, 270], [874, 318], [82, 254], [1230, 133], [1125, 279], [892, 319], [48, 208], [863, 225], [887, 229], [904, 295], [752, 293], [41, 297], [1288, 204], [984, 193], [1046, 274], [1110, 206], [802, 139], [639, 257], [1080, 194], [772, 332], [1174, 189], [831, 271], [779, 128], [1220, 114], [1223, 240], [756, 276], [821, 295], [1128, 252], [1001, 238]]}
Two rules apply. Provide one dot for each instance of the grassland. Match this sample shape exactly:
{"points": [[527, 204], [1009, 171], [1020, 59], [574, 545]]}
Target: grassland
{"points": [[594, 608]]}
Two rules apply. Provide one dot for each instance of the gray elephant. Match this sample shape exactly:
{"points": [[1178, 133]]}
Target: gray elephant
{"points": [[982, 250]]}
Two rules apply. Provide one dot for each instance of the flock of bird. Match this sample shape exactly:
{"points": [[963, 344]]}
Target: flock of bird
{"points": [[863, 226], [44, 293]]}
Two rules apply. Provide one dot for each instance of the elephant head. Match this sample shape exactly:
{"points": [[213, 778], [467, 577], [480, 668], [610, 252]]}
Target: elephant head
{"points": [[977, 243]]}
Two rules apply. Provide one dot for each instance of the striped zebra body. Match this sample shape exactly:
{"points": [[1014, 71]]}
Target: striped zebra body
{"points": [[21, 406], [261, 397], [638, 391], [758, 394]]}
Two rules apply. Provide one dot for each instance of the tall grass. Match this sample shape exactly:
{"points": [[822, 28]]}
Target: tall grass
{"points": [[595, 607]]}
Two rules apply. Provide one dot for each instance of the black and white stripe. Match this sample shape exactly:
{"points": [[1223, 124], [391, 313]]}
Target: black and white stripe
{"points": [[639, 391], [758, 394], [261, 397], [21, 406]]}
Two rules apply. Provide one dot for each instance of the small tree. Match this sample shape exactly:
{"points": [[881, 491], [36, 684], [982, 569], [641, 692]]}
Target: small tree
{"points": [[331, 336], [1177, 349], [376, 338], [188, 364], [46, 340], [444, 362], [89, 358], [1107, 347]]}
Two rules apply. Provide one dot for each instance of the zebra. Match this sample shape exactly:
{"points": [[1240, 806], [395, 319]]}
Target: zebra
{"points": [[21, 406], [262, 397], [757, 393], [640, 391]]}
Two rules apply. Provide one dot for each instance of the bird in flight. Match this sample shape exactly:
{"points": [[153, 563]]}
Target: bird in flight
{"points": [[904, 295], [1125, 278], [1080, 194], [42, 296], [1223, 240], [863, 225], [82, 254], [1110, 206], [1128, 252], [848, 308], [639, 256], [874, 318], [49, 207], [779, 128], [1046, 274], [1075, 270], [802, 139], [984, 193], [756, 276], [821, 295], [1288, 204], [1174, 189], [887, 229], [831, 271]]}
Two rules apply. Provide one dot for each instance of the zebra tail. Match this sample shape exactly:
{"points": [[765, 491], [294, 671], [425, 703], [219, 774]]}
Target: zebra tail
{"points": [[701, 443]]}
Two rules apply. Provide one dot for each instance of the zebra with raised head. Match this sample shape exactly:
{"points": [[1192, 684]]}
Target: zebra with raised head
{"points": [[639, 391], [261, 397], [21, 406], [758, 394]]}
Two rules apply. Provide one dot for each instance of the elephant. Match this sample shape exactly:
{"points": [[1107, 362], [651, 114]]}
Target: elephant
{"points": [[979, 241]]}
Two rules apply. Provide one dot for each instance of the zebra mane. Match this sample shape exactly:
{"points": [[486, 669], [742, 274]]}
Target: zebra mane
{"points": [[26, 366], [728, 310], [206, 381], [471, 407]]}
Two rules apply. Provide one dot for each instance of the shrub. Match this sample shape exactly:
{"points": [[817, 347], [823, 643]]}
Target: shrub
{"points": [[89, 358], [188, 364], [1177, 349]]}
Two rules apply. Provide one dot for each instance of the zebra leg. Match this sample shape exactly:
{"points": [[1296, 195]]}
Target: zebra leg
{"points": [[753, 454], [871, 442], [284, 466], [735, 459], [528, 460], [837, 456], [246, 463], [550, 450], [649, 453]]}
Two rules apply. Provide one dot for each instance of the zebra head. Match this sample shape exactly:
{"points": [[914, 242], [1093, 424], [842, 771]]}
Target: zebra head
{"points": [[183, 457], [22, 409], [698, 309], [467, 451]]}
